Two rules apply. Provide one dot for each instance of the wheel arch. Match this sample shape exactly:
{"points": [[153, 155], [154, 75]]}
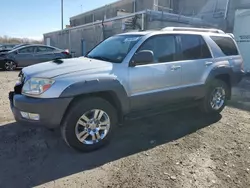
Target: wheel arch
{"points": [[110, 90], [224, 74], [8, 59]]}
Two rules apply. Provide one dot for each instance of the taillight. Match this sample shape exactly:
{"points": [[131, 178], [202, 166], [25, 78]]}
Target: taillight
{"points": [[66, 52]]}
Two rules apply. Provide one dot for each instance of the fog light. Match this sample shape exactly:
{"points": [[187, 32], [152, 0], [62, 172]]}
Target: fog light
{"points": [[25, 115], [34, 116], [30, 116]]}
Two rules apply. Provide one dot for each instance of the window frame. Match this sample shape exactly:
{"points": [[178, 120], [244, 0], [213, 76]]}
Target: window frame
{"points": [[201, 39], [154, 36]]}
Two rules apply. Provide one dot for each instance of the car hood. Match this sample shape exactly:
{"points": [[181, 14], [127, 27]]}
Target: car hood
{"points": [[66, 67], [3, 53]]}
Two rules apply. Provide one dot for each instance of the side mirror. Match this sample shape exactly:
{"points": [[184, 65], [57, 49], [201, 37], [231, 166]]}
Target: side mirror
{"points": [[16, 52], [142, 57]]}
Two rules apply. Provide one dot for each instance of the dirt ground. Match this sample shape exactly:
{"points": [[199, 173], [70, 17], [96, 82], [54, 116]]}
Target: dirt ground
{"points": [[179, 149]]}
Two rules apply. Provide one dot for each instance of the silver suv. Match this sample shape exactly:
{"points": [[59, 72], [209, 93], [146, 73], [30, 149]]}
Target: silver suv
{"points": [[128, 75]]}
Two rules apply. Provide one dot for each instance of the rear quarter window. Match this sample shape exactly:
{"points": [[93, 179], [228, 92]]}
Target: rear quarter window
{"points": [[194, 47], [226, 44]]}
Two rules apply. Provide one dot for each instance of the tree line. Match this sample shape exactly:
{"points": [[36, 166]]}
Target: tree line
{"points": [[13, 40]]}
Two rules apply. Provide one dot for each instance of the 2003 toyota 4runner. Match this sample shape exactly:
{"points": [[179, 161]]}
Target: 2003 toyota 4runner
{"points": [[128, 75]]}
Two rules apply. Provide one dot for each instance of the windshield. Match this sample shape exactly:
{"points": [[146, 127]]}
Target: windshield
{"points": [[114, 49]]}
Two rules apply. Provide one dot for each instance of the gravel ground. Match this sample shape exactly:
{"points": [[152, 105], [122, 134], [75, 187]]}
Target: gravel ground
{"points": [[180, 149]]}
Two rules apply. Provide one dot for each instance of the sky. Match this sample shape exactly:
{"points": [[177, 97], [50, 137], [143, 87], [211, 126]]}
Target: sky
{"points": [[33, 18]]}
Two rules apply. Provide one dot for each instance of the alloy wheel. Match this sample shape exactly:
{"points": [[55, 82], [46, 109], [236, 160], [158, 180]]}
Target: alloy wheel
{"points": [[218, 98], [92, 127], [9, 65]]}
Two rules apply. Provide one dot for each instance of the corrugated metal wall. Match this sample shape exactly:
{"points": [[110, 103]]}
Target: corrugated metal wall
{"points": [[130, 6], [110, 11], [213, 11]]}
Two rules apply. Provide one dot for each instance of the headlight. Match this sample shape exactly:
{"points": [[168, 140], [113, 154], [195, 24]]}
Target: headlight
{"points": [[37, 86]]}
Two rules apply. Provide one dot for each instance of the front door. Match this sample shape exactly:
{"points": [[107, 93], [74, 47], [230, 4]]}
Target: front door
{"points": [[154, 84], [25, 56]]}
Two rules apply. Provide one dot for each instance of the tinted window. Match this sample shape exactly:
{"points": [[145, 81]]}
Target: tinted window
{"points": [[26, 50], [163, 47], [44, 49], [226, 45], [193, 47]]}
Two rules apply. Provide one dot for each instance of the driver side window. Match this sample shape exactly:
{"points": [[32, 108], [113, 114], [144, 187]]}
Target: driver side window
{"points": [[162, 46]]}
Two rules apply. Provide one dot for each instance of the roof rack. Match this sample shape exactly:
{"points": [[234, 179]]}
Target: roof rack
{"points": [[193, 29]]}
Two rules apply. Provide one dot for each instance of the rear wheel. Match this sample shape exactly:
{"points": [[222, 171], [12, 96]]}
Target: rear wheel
{"points": [[9, 65], [216, 97], [89, 124]]}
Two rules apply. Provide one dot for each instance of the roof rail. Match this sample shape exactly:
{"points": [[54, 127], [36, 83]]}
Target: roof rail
{"points": [[193, 29], [231, 34]]}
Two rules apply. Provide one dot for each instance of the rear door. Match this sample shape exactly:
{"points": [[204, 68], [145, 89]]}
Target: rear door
{"points": [[196, 59], [43, 54], [25, 56]]}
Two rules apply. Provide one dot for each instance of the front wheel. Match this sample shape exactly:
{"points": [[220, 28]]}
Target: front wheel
{"points": [[9, 65], [89, 124], [216, 97]]}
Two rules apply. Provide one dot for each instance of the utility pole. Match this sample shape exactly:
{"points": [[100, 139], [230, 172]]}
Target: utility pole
{"points": [[62, 13]]}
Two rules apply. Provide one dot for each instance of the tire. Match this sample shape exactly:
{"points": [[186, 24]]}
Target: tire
{"points": [[74, 120], [9, 65], [206, 105]]}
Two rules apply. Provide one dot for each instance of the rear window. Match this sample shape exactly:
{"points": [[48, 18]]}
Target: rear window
{"points": [[226, 45]]}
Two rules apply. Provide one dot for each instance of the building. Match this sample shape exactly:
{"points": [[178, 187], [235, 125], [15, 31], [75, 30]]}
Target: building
{"points": [[119, 8], [89, 28]]}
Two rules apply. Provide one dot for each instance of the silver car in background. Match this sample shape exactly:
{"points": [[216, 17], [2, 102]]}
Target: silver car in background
{"points": [[27, 55]]}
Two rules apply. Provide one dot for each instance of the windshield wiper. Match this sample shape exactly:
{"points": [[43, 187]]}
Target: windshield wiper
{"points": [[101, 58]]}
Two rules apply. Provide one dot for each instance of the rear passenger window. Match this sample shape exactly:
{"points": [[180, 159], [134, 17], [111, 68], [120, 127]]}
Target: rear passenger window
{"points": [[193, 47], [226, 45], [44, 49]]}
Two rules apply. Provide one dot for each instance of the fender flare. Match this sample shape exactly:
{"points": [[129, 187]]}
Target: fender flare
{"points": [[99, 85], [217, 71]]}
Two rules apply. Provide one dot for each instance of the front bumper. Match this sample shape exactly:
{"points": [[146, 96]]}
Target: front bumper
{"points": [[51, 111]]}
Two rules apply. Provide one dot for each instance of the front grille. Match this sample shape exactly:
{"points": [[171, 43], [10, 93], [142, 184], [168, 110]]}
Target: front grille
{"points": [[22, 77]]}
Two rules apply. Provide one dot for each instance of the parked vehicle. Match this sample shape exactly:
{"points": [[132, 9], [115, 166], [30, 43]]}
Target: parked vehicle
{"points": [[128, 75], [3, 49], [6, 47], [27, 55]]}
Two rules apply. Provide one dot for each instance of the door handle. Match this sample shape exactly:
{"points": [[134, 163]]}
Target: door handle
{"points": [[208, 63], [175, 67]]}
